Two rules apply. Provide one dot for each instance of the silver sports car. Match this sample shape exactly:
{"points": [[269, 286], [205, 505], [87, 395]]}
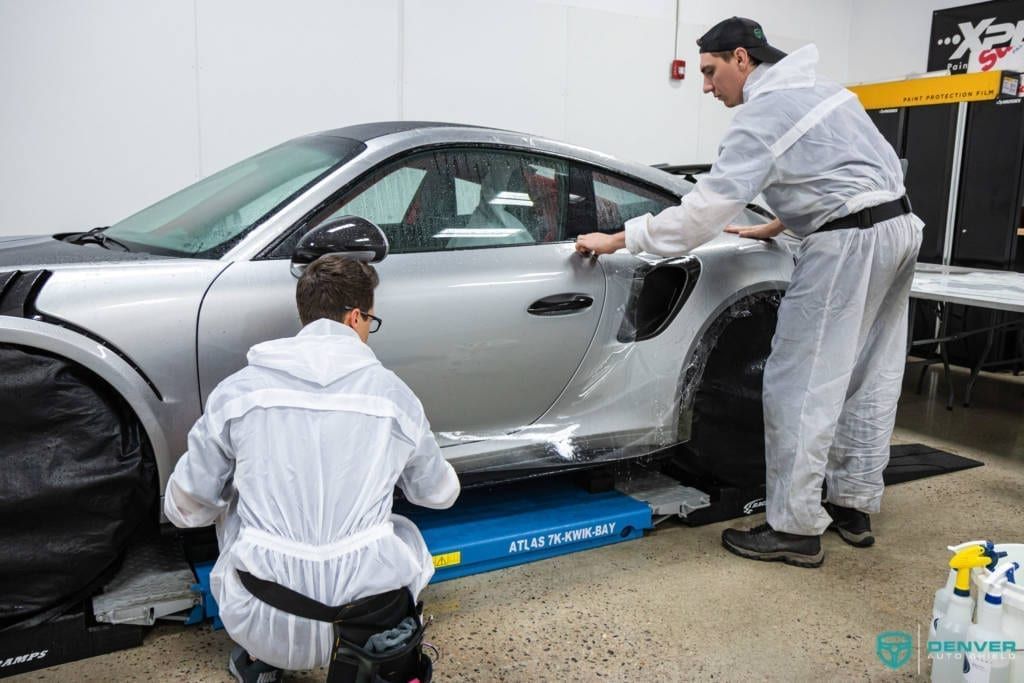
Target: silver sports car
{"points": [[527, 357]]}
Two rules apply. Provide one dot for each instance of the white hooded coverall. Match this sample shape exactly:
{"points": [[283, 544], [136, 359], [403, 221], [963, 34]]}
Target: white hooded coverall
{"points": [[295, 459], [833, 378]]}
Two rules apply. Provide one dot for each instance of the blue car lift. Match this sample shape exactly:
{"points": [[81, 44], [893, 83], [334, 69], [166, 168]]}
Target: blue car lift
{"points": [[488, 530], [499, 527]]}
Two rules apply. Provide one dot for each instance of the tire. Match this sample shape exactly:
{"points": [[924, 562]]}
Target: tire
{"points": [[726, 444], [77, 482]]}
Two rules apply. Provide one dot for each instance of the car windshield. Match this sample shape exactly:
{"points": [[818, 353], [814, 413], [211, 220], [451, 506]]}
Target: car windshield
{"points": [[207, 219]]}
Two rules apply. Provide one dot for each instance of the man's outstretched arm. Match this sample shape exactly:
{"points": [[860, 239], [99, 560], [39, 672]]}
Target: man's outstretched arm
{"points": [[741, 171]]}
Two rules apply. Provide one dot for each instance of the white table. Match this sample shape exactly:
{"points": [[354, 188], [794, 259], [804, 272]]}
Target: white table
{"points": [[996, 290]]}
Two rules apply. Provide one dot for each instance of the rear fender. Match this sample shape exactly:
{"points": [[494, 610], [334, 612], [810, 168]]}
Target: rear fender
{"points": [[744, 303]]}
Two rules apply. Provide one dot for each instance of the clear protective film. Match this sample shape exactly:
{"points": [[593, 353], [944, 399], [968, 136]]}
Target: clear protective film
{"points": [[673, 361]]}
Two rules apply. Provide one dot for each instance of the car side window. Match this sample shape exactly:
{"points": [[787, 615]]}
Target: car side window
{"points": [[618, 200], [388, 200], [462, 199]]}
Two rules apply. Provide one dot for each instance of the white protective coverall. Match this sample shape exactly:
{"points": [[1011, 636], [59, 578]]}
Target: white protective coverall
{"points": [[296, 459], [833, 378]]}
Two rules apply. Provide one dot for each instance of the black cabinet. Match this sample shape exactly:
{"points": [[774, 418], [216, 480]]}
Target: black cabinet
{"points": [[930, 139], [991, 180], [988, 211], [891, 123], [926, 138]]}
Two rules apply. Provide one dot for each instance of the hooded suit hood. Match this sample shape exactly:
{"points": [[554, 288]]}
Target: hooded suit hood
{"points": [[796, 70], [323, 352]]}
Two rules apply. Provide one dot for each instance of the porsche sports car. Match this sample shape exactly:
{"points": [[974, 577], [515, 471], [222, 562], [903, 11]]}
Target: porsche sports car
{"points": [[527, 357]]}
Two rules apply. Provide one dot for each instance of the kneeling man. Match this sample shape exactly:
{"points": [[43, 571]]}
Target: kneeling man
{"points": [[296, 459]]}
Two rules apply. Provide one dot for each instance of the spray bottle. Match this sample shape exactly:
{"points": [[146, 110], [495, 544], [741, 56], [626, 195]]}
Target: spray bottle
{"points": [[1013, 627], [943, 595], [948, 665], [987, 662], [995, 558]]}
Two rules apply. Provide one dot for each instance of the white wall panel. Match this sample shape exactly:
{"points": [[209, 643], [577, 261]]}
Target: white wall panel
{"points": [[619, 97], [270, 71], [486, 62], [118, 102], [889, 40], [636, 8], [99, 110]]}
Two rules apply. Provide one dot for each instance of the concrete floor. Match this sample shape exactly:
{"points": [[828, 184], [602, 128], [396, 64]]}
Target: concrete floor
{"points": [[675, 606]]}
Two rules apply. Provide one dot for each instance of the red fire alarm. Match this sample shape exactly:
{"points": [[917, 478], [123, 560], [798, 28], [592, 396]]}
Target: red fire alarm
{"points": [[678, 72]]}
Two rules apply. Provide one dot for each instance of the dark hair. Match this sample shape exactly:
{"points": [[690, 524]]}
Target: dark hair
{"points": [[727, 56], [333, 284]]}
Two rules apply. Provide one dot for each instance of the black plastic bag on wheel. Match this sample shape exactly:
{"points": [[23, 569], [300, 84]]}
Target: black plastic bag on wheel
{"points": [[728, 420], [75, 484]]}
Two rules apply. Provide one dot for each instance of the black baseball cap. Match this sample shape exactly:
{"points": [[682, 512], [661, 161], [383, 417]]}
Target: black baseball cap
{"points": [[729, 34]]}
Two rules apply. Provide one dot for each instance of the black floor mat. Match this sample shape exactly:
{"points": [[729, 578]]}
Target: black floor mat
{"points": [[907, 462], [911, 461]]}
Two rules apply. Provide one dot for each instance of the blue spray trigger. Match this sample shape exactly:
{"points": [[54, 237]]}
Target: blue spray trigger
{"points": [[993, 555]]}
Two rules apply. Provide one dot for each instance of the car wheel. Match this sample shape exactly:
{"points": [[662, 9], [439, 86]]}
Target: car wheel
{"points": [[721, 409], [78, 481]]}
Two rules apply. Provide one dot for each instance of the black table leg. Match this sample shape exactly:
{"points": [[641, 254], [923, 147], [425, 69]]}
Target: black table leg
{"points": [[989, 339]]}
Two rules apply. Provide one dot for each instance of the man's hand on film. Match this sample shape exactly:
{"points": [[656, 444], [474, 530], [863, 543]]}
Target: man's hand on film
{"points": [[765, 231], [596, 243]]}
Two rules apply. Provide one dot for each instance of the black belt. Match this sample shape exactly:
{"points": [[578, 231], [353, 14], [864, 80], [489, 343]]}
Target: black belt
{"points": [[374, 611], [353, 624], [866, 218]]}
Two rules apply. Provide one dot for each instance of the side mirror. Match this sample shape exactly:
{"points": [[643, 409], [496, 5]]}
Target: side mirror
{"points": [[350, 236]]}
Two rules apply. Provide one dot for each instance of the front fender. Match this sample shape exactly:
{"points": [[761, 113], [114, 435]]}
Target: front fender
{"points": [[111, 368]]}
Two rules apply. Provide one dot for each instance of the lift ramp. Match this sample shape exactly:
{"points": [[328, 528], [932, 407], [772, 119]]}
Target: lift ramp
{"points": [[155, 582]]}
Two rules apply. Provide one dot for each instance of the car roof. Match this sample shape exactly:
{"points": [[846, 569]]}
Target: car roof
{"points": [[399, 132], [368, 131]]}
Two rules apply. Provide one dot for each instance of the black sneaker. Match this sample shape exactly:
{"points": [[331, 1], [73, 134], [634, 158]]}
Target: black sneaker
{"points": [[764, 543], [853, 526], [247, 670]]}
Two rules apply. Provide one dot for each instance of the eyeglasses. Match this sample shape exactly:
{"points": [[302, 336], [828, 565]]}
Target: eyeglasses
{"points": [[375, 322]]}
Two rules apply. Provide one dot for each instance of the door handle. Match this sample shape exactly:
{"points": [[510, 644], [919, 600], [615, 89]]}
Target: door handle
{"points": [[559, 304]]}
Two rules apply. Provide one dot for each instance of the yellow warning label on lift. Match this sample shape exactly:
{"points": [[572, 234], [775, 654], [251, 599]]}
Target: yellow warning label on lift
{"points": [[918, 92], [448, 559]]}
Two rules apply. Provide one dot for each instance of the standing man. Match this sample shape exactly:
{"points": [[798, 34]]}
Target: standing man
{"points": [[834, 374], [296, 459]]}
